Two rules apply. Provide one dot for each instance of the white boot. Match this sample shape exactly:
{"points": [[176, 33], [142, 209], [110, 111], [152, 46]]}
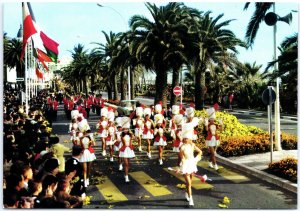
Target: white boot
{"points": [[120, 167], [140, 148], [126, 178], [104, 152], [187, 196], [111, 159], [191, 202], [88, 182], [210, 165], [149, 155], [216, 167], [85, 183], [160, 162]]}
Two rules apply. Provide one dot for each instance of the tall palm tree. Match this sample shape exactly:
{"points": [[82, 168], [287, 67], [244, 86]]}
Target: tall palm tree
{"points": [[210, 43], [152, 40]]}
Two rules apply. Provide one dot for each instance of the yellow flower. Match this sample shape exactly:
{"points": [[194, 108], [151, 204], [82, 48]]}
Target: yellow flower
{"points": [[223, 206], [226, 200]]}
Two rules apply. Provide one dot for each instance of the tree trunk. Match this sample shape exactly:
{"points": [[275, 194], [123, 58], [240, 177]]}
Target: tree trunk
{"points": [[161, 87], [123, 85], [132, 84], [199, 90], [85, 86], [109, 91], [116, 91], [92, 82], [175, 82]]}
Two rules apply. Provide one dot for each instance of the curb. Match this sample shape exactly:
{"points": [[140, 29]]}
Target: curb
{"points": [[263, 114], [285, 184]]}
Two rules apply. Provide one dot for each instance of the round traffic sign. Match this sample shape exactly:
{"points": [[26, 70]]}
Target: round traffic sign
{"points": [[177, 90], [266, 96]]}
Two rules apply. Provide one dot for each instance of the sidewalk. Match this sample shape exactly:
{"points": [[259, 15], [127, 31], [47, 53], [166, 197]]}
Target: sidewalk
{"points": [[256, 164]]}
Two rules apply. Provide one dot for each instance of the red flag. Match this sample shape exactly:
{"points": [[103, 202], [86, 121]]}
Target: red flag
{"points": [[39, 74], [42, 56], [28, 27], [49, 43]]}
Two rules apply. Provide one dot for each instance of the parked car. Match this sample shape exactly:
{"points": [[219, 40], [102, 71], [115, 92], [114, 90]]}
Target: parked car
{"points": [[126, 107]]}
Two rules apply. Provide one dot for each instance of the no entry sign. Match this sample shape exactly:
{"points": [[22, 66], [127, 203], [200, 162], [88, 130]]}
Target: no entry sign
{"points": [[177, 90]]}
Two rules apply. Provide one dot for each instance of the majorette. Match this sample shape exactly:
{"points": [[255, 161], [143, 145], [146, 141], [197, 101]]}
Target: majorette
{"points": [[148, 130], [190, 113], [172, 125], [159, 138], [138, 124], [111, 132], [102, 127], [178, 120], [118, 143]]}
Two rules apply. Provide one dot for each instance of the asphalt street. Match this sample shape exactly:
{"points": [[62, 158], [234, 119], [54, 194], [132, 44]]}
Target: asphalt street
{"points": [[155, 187]]}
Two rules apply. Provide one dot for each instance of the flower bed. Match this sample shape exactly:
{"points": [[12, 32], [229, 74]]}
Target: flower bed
{"points": [[285, 168]]}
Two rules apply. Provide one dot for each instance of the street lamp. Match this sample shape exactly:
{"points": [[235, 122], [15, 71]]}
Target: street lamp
{"points": [[271, 19], [128, 71]]}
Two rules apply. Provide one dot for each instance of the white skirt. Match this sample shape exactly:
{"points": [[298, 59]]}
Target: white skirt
{"points": [[87, 156], [103, 134], [177, 149], [127, 153], [138, 132], [149, 135], [188, 166], [213, 142], [161, 142], [110, 142]]}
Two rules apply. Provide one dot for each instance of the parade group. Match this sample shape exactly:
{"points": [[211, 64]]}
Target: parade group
{"points": [[38, 175]]}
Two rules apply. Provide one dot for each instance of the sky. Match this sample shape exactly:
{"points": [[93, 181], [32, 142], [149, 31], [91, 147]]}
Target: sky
{"points": [[70, 23]]}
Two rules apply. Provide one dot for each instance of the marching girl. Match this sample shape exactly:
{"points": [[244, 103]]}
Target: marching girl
{"points": [[126, 151], [172, 125], [118, 142], [88, 156], [212, 139], [178, 120], [73, 126], [138, 124], [188, 164], [190, 118], [148, 130], [110, 139], [102, 129], [159, 138]]}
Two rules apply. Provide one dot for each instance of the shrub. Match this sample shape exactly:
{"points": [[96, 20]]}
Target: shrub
{"points": [[285, 168]]}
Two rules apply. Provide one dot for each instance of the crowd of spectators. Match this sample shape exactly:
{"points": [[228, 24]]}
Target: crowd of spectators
{"points": [[35, 175]]}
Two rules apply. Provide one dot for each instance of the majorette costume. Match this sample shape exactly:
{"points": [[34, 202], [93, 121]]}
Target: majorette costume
{"points": [[103, 124], [178, 120], [190, 113], [118, 142], [212, 138], [126, 151], [110, 139], [82, 123], [148, 125], [172, 125], [159, 113], [159, 138], [88, 154], [73, 127], [138, 122]]}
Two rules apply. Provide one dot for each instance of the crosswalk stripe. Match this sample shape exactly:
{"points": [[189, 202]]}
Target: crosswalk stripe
{"points": [[110, 192], [149, 184], [196, 182], [228, 174]]}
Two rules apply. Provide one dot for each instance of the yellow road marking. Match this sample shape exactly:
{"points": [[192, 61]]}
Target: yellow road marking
{"points": [[228, 174], [110, 192], [196, 182], [150, 184]]}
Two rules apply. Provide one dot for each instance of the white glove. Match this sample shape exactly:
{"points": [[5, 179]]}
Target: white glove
{"points": [[206, 122]]}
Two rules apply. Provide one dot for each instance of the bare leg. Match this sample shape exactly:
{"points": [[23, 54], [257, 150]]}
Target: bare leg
{"points": [[84, 170], [126, 163], [188, 181], [148, 145], [212, 155]]}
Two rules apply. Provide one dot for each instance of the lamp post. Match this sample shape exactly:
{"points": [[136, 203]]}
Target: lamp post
{"points": [[128, 71]]}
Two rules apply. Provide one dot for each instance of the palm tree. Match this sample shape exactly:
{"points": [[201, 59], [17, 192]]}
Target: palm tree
{"points": [[152, 41], [12, 55], [210, 43]]}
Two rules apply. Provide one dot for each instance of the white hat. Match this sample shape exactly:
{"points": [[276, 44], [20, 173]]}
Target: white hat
{"points": [[178, 119], [139, 111], [147, 111], [195, 121], [118, 120], [158, 118], [175, 109], [211, 113], [158, 108], [74, 114], [190, 112], [83, 126], [187, 130], [111, 116], [125, 123], [104, 112], [80, 115]]}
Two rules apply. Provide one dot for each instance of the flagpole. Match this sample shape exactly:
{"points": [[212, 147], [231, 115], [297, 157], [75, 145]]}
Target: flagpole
{"points": [[26, 82]]}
